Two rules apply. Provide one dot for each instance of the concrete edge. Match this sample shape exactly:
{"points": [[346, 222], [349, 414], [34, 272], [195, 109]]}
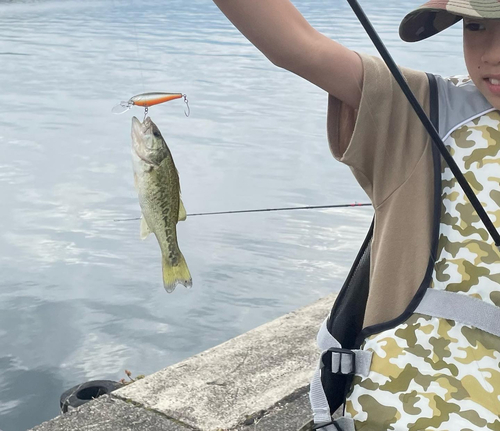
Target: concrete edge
{"points": [[256, 381]]}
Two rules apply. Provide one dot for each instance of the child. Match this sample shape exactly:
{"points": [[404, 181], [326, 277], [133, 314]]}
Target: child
{"points": [[423, 340]]}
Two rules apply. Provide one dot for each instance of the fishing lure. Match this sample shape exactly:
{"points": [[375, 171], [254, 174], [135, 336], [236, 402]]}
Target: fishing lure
{"points": [[149, 99]]}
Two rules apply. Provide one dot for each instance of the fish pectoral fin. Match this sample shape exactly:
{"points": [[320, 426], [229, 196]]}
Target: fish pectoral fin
{"points": [[145, 230], [182, 211]]}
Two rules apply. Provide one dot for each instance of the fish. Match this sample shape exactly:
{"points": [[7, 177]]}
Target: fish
{"points": [[157, 183], [146, 100]]}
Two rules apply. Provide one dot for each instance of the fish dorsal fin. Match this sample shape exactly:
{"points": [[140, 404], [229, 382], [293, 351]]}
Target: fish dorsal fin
{"points": [[182, 210], [145, 230]]}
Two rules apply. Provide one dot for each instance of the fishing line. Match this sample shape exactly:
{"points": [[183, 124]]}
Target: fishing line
{"points": [[355, 204], [365, 22], [137, 52]]}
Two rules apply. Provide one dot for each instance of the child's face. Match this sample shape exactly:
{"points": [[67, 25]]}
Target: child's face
{"points": [[482, 56]]}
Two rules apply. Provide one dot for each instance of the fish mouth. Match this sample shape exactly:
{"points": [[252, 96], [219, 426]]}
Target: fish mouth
{"points": [[139, 130]]}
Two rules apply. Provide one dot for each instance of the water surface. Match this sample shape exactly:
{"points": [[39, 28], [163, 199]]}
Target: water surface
{"points": [[80, 293]]}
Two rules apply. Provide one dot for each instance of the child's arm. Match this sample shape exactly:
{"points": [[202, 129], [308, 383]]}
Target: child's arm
{"points": [[278, 29]]}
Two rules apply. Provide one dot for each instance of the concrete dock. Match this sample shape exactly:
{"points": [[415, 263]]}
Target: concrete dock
{"points": [[256, 381]]}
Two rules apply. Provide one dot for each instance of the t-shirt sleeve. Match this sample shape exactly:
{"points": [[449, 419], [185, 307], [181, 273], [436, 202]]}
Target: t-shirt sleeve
{"points": [[384, 139]]}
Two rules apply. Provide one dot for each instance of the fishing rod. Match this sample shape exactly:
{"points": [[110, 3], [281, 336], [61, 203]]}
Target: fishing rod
{"points": [[372, 33], [355, 204]]}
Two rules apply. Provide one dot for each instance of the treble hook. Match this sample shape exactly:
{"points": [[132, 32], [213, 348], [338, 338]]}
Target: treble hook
{"points": [[187, 104], [146, 109]]}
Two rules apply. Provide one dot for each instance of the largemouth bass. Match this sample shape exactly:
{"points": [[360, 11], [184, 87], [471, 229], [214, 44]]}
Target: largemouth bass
{"points": [[157, 183]]}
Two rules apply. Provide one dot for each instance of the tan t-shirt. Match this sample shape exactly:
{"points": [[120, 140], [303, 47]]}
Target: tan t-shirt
{"points": [[390, 154]]}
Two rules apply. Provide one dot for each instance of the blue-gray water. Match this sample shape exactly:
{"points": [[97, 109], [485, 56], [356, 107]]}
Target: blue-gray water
{"points": [[80, 294]]}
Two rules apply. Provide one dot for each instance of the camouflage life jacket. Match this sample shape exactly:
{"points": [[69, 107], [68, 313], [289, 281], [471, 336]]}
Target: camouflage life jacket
{"points": [[438, 366]]}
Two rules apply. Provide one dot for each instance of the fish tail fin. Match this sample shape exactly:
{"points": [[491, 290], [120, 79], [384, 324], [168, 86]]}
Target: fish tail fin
{"points": [[174, 275]]}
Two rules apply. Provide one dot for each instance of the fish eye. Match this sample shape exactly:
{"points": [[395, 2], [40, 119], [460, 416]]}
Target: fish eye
{"points": [[156, 134]]}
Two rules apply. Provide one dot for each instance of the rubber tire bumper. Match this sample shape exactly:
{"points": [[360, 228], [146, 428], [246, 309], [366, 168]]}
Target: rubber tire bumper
{"points": [[85, 392]]}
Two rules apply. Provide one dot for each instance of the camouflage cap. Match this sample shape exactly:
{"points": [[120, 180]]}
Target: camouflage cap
{"points": [[437, 15]]}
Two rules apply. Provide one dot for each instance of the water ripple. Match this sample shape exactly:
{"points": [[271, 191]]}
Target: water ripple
{"points": [[81, 295]]}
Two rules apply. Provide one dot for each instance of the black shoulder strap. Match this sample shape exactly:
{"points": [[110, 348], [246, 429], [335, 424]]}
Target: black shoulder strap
{"points": [[434, 101], [347, 315]]}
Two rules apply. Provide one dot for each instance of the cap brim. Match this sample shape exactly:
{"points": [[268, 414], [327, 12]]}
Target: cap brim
{"points": [[437, 15], [424, 23]]}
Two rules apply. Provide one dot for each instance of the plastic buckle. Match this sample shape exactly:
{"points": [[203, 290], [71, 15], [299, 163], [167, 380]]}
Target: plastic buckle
{"points": [[326, 360]]}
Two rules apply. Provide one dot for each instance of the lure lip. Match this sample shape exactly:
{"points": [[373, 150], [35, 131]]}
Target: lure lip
{"points": [[121, 108]]}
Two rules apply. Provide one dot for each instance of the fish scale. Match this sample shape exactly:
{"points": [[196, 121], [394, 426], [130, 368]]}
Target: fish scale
{"points": [[166, 214]]}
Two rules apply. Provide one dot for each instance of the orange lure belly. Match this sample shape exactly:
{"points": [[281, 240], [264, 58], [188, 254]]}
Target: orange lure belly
{"points": [[151, 99]]}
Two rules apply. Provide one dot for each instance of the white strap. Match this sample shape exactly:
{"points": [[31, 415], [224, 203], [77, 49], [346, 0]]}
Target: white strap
{"points": [[324, 339], [342, 424], [343, 361], [317, 397], [462, 309], [346, 424]]}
